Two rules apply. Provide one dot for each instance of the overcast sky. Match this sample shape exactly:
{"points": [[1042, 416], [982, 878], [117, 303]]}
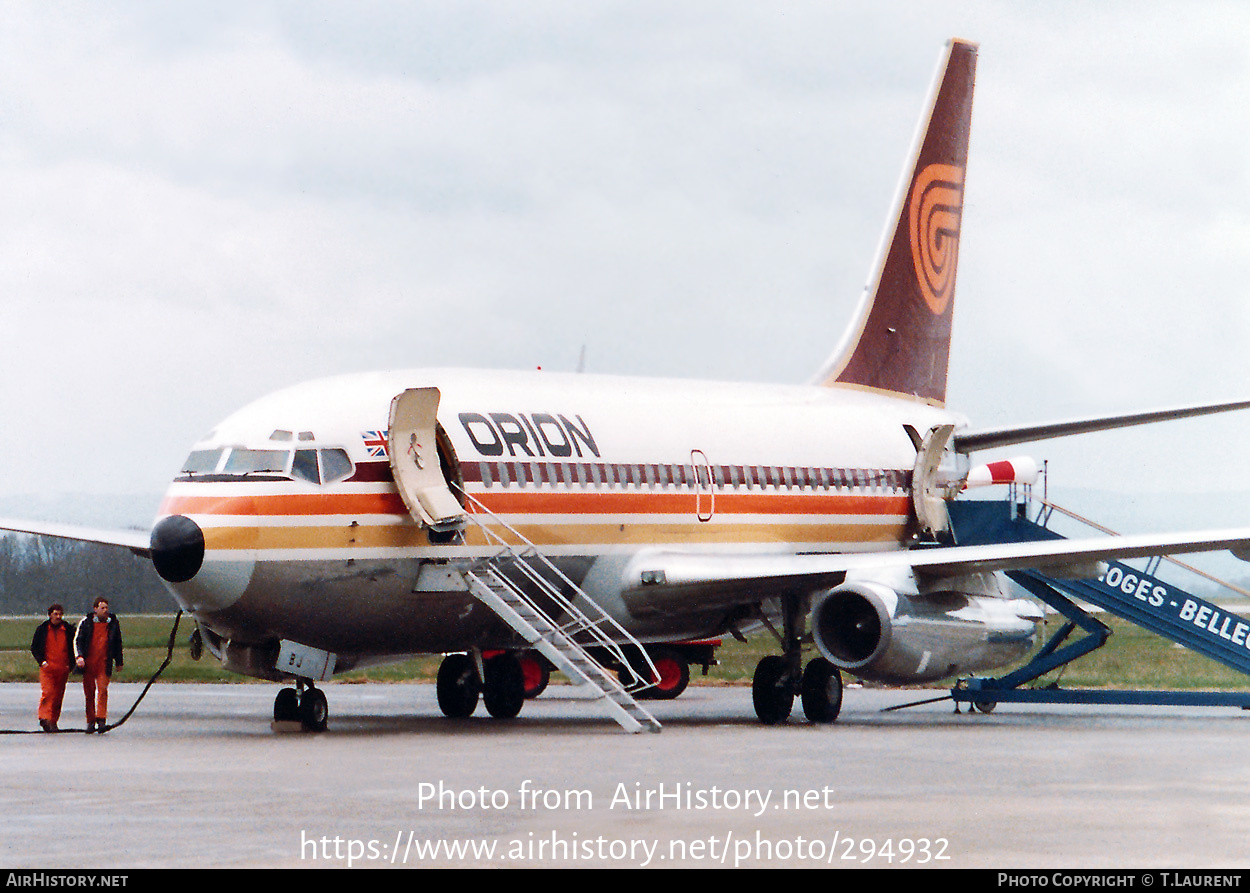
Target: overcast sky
{"points": [[203, 202]]}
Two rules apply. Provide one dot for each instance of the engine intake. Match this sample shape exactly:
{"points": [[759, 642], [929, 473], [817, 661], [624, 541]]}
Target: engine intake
{"points": [[852, 623], [875, 632]]}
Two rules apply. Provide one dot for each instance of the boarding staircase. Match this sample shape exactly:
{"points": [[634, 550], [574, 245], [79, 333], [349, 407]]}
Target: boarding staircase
{"points": [[528, 592], [1138, 596]]}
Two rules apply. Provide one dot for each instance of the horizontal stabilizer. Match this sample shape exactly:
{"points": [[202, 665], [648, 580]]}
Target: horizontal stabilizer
{"points": [[987, 438]]}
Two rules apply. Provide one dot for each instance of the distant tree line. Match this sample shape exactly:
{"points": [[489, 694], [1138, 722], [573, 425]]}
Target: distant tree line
{"points": [[37, 571]]}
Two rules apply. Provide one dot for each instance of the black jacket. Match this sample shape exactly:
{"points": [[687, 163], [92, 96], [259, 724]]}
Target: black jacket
{"points": [[38, 644], [82, 641]]}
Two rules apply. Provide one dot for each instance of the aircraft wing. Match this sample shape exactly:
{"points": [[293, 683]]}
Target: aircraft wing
{"points": [[771, 573], [137, 541]]}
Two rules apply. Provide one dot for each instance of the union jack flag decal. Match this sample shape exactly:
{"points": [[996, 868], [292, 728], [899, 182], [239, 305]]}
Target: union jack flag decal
{"points": [[375, 443]]}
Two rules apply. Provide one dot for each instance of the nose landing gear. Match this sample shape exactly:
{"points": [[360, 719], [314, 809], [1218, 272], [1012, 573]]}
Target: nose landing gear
{"points": [[304, 704]]}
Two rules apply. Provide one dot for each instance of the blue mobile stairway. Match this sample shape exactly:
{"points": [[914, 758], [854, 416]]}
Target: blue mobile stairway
{"points": [[1137, 596]]}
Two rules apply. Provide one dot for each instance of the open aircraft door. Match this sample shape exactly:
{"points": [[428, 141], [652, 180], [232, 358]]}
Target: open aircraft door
{"points": [[928, 493], [416, 463]]}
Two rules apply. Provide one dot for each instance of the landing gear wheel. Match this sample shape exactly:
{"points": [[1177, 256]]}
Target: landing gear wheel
{"points": [[503, 689], [674, 676], [536, 674], [457, 686], [771, 691], [286, 706], [314, 712], [984, 706], [822, 691]]}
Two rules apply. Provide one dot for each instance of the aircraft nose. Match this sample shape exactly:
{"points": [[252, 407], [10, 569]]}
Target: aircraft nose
{"points": [[177, 548]]}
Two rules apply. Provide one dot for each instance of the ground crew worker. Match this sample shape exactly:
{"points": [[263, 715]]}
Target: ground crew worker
{"points": [[97, 647], [53, 648]]}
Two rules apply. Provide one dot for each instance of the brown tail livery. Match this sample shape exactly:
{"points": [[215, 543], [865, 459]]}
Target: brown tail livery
{"points": [[900, 343]]}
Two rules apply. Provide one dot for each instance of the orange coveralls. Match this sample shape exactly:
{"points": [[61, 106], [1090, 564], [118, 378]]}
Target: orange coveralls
{"points": [[95, 677], [54, 673]]}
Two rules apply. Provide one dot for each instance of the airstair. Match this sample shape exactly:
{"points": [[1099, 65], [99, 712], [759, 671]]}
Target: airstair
{"points": [[1138, 596], [517, 582], [532, 596]]}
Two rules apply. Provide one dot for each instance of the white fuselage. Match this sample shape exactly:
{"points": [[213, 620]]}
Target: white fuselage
{"points": [[590, 469]]}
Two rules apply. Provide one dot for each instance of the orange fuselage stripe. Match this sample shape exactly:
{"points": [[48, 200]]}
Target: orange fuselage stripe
{"points": [[547, 503]]}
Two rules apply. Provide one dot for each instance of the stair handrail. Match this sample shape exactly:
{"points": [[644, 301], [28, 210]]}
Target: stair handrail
{"points": [[565, 653], [580, 622], [1055, 507]]}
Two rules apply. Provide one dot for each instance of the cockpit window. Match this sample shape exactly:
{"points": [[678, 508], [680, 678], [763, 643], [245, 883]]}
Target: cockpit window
{"points": [[242, 461], [304, 468], [335, 465], [202, 461], [316, 466]]}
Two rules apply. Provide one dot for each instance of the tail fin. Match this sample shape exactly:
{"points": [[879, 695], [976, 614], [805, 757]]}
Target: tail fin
{"points": [[900, 344]]}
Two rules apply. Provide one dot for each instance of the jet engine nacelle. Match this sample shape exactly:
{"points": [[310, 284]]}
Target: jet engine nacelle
{"points": [[948, 628]]}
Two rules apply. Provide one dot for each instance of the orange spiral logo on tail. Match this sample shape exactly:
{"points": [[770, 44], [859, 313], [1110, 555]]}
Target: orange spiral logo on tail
{"points": [[934, 211]]}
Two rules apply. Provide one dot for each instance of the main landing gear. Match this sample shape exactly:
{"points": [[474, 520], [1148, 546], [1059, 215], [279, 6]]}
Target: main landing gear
{"points": [[304, 704], [501, 684], [778, 678]]}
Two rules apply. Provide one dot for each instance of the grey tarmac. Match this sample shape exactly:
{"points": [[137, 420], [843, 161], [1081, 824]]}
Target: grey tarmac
{"points": [[198, 778]]}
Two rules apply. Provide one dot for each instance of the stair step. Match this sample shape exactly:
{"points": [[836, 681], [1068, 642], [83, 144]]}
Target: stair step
{"points": [[510, 602]]}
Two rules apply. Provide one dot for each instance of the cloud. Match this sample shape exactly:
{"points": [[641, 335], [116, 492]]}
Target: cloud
{"points": [[209, 202]]}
